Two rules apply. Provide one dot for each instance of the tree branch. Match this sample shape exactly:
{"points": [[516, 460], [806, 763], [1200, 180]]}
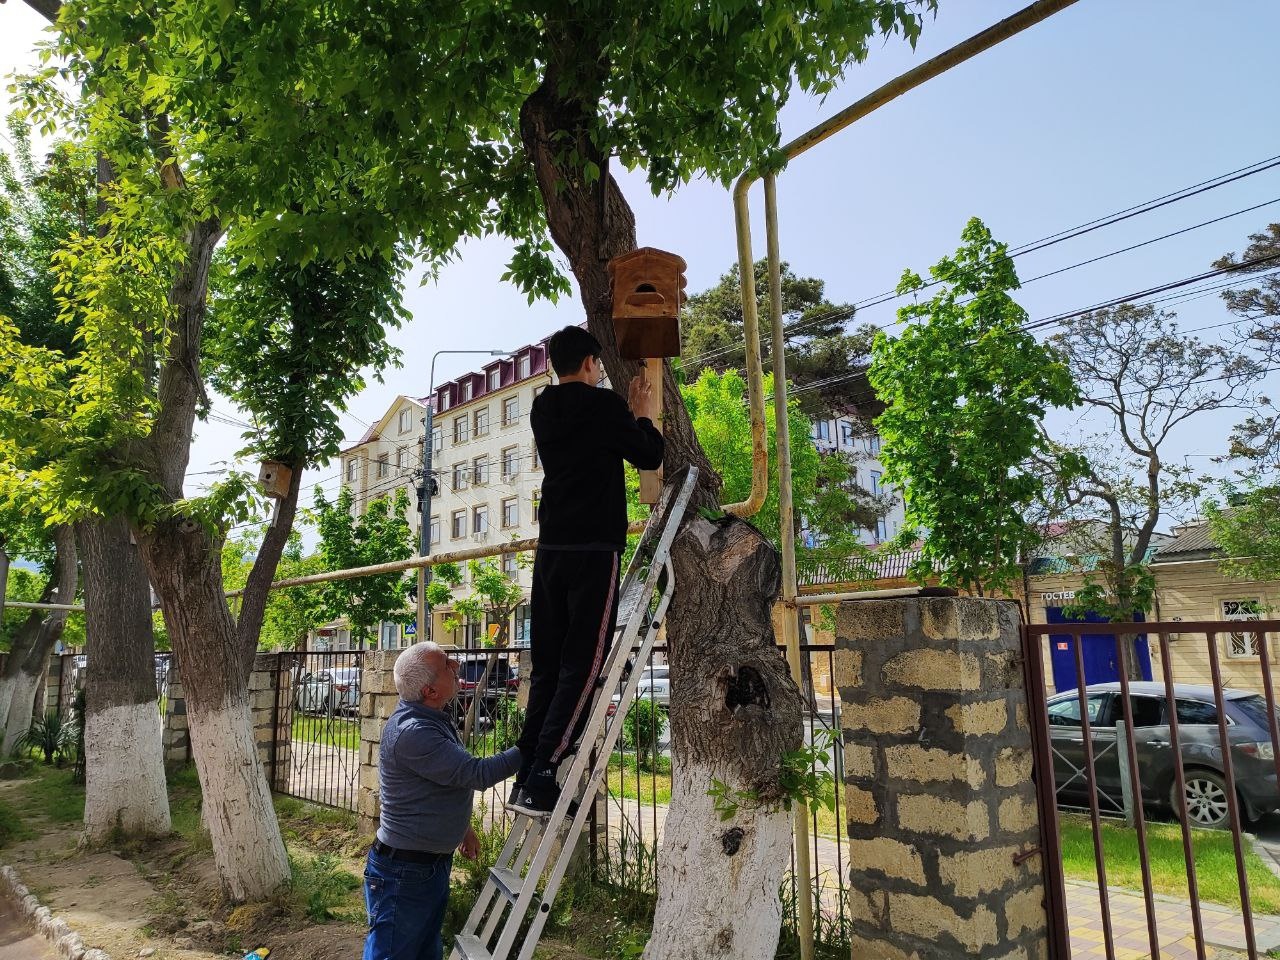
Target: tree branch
{"points": [[46, 8], [253, 602]]}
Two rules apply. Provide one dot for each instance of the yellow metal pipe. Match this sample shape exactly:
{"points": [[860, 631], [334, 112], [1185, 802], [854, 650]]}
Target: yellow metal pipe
{"points": [[786, 524]]}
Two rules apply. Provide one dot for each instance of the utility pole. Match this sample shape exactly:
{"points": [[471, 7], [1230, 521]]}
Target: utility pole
{"points": [[428, 488]]}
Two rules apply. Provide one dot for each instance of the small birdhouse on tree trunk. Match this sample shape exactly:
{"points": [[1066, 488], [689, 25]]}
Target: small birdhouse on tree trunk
{"points": [[648, 290], [274, 478]]}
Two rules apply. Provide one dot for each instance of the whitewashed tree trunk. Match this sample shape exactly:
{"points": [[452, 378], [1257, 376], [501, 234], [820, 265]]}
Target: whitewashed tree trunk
{"points": [[21, 708], [734, 714], [125, 791], [7, 685], [748, 857], [247, 847]]}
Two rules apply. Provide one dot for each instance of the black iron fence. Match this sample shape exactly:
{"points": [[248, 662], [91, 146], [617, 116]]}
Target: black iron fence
{"points": [[322, 762], [1155, 742], [67, 675]]}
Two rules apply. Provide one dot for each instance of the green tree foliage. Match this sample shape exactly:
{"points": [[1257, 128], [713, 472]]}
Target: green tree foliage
{"points": [[966, 389], [711, 325], [1144, 378], [291, 614], [378, 535], [25, 586], [824, 487]]}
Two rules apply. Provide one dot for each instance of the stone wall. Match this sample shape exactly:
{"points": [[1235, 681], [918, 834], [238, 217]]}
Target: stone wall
{"points": [[378, 699], [175, 737], [938, 794]]}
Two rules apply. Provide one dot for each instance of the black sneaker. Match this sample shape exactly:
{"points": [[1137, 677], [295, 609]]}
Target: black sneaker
{"points": [[539, 795]]}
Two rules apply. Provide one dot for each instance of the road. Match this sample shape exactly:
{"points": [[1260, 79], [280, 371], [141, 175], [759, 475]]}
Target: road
{"points": [[17, 940]]}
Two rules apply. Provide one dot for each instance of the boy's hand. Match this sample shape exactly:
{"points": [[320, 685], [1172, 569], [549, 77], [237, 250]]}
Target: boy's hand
{"points": [[640, 395], [470, 846]]}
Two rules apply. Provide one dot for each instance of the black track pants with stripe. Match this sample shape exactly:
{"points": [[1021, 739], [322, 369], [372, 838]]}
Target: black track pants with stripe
{"points": [[574, 608]]}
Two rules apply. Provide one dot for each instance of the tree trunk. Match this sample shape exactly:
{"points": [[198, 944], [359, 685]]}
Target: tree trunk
{"points": [[124, 755], [734, 709], [184, 564], [35, 641]]}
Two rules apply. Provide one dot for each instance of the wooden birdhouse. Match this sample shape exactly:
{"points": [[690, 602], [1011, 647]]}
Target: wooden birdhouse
{"points": [[648, 291], [274, 478]]}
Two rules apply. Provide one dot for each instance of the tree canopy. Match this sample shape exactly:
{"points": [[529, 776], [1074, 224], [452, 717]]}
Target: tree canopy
{"points": [[966, 388]]}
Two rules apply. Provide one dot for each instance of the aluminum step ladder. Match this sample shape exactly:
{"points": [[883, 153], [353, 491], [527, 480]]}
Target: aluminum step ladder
{"points": [[529, 870]]}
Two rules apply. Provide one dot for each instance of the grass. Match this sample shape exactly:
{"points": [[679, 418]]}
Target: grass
{"points": [[1215, 862], [54, 793], [334, 731], [651, 785]]}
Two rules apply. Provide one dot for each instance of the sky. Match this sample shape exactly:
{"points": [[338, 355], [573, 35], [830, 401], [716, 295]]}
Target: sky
{"points": [[1103, 106]]}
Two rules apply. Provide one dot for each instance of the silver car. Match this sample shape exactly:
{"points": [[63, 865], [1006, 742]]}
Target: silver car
{"points": [[336, 690]]}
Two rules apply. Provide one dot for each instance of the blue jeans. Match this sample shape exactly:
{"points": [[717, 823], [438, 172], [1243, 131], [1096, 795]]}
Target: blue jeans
{"points": [[406, 904]]}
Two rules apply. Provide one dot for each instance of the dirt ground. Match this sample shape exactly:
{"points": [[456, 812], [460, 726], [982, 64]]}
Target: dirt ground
{"points": [[163, 897]]}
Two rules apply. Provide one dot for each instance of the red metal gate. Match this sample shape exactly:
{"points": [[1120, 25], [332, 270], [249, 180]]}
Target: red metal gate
{"points": [[1197, 744]]}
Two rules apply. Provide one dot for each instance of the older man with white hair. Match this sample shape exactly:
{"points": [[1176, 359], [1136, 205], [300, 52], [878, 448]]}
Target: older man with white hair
{"points": [[426, 784]]}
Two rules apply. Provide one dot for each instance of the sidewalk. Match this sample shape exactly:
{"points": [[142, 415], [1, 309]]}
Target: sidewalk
{"points": [[1223, 926]]}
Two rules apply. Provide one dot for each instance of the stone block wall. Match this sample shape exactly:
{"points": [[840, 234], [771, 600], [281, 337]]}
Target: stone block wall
{"points": [[940, 804], [271, 708], [378, 699], [175, 737]]}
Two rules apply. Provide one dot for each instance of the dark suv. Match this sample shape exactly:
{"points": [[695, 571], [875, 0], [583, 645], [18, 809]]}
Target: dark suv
{"points": [[1248, 732], [501, 677]]}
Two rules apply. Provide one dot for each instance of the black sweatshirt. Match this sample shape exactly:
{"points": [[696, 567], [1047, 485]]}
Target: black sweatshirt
{"points": [[583, 434]]}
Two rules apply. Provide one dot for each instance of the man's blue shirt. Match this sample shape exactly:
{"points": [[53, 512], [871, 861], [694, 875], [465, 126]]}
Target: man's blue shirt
{"points": [[427, 780]]}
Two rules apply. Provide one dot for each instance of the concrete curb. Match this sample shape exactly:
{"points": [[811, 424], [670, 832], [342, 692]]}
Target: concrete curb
{"points": [[65, 940]]}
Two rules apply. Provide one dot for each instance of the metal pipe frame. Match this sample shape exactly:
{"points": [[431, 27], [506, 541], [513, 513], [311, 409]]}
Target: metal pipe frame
{"points": [[931, 68]]}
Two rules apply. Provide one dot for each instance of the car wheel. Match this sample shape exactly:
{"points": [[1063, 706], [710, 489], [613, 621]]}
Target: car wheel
{"points": [[1206, 795]]}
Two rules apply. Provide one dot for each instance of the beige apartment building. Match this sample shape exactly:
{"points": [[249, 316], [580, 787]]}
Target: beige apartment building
{"points": [[487, 469]]}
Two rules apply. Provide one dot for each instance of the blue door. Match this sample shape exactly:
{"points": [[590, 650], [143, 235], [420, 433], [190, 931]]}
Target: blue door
{"points": [[1101, 664]]}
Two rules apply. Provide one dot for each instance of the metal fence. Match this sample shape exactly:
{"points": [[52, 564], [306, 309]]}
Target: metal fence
{"points": [[1140, 743], [322, 762]]}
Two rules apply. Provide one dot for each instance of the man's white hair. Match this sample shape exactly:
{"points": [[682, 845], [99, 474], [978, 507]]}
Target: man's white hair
{"points": [[414, 670]]}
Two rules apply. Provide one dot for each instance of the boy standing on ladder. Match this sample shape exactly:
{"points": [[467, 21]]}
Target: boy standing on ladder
{"points": [[583, 434]]}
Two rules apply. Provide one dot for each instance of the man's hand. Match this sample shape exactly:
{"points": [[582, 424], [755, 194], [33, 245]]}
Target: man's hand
{"points": [[470, 846], [640, 396]]}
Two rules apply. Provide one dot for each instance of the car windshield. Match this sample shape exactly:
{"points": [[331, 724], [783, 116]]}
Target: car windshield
{"points": [[1255, 708]]}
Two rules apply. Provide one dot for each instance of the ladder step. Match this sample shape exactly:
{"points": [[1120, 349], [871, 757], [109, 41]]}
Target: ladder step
{"points": [[470, 947], [507, 881]]}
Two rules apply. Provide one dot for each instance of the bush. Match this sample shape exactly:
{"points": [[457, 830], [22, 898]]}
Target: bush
{"points": [[50, 736], [320, 887], [641, 727]]}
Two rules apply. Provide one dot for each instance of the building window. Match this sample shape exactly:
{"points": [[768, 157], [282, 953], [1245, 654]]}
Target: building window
{"points": [[406, 421], [538, 389], [390, 638], [399, 458], [480, 471], [1240, 645], [876, 490], [495, 378], [510, 513], [482, 422], [822, 430], [873, 444], [510, 411], [444, 400], [437, 438], [466, 390], [433, 530], [882, 531], [537, 460], [461, 429], [510, 462], [353, 469], [523, 620], [846, 433], [460, 476], [384, 465], [522, 366], [537, 504], [480, 520], [459, 529], [509, 566], [471, 634]]}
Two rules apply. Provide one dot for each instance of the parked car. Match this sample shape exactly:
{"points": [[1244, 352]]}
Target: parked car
{"points": [[1248, 732], [655, 685], [336, 690], [502, 681]]}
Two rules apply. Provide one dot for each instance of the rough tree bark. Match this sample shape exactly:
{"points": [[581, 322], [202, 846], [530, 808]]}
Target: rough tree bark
{"points": [[718, 882], [35, 640], [124, 758], [183, 561]]}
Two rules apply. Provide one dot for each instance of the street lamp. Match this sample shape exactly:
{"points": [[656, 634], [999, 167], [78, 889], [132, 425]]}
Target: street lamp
{"points": [[429, 487]]}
